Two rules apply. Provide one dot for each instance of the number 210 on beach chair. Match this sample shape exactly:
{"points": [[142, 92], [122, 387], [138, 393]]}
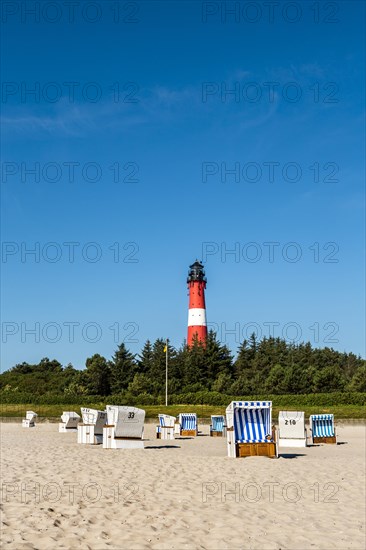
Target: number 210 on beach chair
{"points": [[291, 429], [249, 429], [322, 428]]}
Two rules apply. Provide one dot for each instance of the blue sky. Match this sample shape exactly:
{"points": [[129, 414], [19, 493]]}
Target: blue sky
{"points": [[149, 98]]}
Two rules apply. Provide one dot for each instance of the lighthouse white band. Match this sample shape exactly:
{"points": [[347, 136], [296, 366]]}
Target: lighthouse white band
{"points": [[197, 317]]}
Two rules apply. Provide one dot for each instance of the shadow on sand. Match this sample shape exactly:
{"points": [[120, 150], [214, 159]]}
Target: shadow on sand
{"points": [[289, 455], [163, 447]]}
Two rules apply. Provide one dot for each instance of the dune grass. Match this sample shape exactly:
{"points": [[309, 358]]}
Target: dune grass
{"points": [[152, 411]]}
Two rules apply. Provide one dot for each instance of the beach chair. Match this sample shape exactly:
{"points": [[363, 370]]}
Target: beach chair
{"points": [[218, 426], [124, 429], [249, 429], [165, 430], [30, 419], [69, 422], [291, 429], [90, 430], [322, 428], [188, 424]]}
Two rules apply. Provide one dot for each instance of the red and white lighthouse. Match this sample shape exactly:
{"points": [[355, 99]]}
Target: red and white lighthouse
{"points": [[197, 324]]}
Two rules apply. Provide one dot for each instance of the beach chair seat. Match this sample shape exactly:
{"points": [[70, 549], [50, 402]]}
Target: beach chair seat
{"points": [[322, 428], [69, 422], [30, 419], [218, 426], [124, 428], [90, 430], [165, 430], [249, 429], [188, 424], [291, 429]]}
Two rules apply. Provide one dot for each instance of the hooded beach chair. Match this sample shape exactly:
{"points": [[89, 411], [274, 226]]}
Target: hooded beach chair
{"points": [[249, 429], [30, 419], [187, 424], [165, 430], [322, 428], [90, 430], [218, 426], [125, 428], [69, 422], [291, 429]]}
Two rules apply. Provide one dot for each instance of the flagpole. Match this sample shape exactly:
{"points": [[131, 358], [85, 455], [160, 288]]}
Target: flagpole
{"points": [[166, 373]]}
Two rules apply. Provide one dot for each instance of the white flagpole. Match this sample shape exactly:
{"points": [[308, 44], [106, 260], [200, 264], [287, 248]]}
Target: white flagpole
{"points": [[166, 373]]}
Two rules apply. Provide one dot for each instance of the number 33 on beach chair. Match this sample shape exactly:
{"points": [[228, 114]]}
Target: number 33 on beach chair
{"points": [[249, 429]]}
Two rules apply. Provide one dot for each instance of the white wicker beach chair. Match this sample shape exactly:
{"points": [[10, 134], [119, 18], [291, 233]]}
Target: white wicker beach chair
{"points": [[218, 426], [90, 430], [291, 429], [30, 419], [249, 429], [165, 430], [322, 428], [69, 422], [125, 428]]}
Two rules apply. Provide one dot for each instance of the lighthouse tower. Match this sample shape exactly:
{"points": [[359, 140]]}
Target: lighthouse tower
{"points": [[197, 325]]}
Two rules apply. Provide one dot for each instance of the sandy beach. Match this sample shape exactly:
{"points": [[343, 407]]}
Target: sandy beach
{"points": [[182, 494]]}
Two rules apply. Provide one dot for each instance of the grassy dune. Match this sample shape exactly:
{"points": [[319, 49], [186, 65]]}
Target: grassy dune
{"points": [[152, 411]]}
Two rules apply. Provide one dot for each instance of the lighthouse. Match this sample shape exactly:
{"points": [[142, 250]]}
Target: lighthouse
{"points": [[197, 325]]}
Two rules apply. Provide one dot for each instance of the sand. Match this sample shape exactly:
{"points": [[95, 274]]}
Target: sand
{"points": [[182, 494]]}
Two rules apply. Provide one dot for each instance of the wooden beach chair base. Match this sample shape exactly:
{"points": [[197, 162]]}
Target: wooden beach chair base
{"points": [[256, 449], [214, 433], [330, 439], [188, 433]]}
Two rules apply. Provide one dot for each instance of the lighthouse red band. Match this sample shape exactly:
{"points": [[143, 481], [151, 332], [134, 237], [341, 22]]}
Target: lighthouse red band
{"points": [[197, 324]]}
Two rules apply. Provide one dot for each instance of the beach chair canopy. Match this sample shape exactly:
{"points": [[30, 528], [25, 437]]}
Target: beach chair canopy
{"points": [[251, 420], [128, 421], [322, 425], [217, 422], [31, 415], [291, 424], [70, 418], [188, 421], [166, 421], [95, 417]]}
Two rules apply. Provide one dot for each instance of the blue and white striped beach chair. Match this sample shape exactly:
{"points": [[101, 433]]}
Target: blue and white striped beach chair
{"points": [[249, 429], [218, 426], [165, 430], [188, 424], [322, 428]]}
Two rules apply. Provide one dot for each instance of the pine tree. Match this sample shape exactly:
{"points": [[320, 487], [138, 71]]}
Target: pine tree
{"points": [[98, 375], [145, 359], [123, 369]]}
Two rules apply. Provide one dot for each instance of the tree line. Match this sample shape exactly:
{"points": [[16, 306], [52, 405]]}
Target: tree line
{"points": [[270, 365]]}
